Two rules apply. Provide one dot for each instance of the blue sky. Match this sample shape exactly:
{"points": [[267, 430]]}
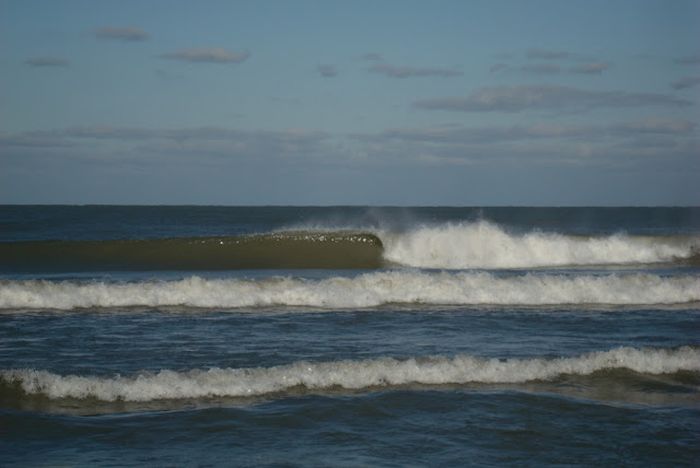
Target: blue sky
{"points": [[363, 102]]}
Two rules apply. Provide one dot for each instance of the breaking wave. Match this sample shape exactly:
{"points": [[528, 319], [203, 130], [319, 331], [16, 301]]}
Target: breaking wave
{"points": [[486, 245], [360, 374], [476, 245], [365, 290]]}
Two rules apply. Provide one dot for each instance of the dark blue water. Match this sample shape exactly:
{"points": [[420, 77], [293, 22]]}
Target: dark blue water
{"points": [[564, 361], [128, 222]]}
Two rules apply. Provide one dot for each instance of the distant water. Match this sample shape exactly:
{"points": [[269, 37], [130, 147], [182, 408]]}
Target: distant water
{"points": [[346, 336]]}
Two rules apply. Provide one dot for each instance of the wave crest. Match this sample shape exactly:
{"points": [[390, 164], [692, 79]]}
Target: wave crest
{"points": [[361, 374], [366, 290]]}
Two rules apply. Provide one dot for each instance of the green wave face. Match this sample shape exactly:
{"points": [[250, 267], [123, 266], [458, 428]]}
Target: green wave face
{"points": [[284, 250]]}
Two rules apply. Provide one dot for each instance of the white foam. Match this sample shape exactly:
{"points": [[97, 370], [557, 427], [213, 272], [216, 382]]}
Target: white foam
{"points": [[366, 290], [462, 369], [486, 245]]}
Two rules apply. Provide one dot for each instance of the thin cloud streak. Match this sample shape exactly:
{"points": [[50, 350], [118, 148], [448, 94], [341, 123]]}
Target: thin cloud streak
{"points": [[207, 55], [622, 143], [187, 143], [327, 71], [592, 68], [653, 138], [498, 134], [541, 69], [686, 82], [395, 71], [373, 57], [547, 54], [128, 34], [689, 60], [546, 97], [47, 62]]}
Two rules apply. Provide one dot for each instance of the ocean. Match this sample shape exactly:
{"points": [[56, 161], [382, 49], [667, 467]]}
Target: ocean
{"points": [[349, 336]]}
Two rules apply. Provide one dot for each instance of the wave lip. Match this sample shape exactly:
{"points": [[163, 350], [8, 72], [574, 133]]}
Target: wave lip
{"points": [[354, 375], [486, 245], [362, 291]]}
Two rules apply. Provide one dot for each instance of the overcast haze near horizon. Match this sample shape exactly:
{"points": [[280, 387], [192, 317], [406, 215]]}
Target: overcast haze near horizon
{"points": [[366, 103]]}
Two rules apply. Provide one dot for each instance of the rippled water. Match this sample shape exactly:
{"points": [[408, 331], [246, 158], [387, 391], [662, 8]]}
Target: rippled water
{"points": [[555, 360]]}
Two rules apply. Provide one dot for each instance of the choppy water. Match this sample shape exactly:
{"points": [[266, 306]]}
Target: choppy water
{"points": [[349, 336]]}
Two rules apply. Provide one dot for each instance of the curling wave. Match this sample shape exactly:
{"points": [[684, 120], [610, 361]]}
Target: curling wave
{"points": [[365, 290], [281, 250], [486, 245], [361, 374], [476, 245]]}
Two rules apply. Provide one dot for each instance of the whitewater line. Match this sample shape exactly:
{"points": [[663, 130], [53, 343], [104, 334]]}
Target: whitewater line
{"points": [[486, 245], [362, 291], [346, 374]]}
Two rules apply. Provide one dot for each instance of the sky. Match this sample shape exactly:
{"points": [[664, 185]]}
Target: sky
{"points": [[300, 102]]}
